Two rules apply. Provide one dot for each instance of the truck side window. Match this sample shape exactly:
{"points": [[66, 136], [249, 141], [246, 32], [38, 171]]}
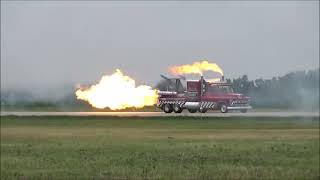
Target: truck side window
{"points": [[212, 89], [219, 89]]}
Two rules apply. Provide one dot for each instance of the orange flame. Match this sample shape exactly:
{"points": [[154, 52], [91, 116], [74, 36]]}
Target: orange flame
{"points": [[196, 68], [118, 91]]}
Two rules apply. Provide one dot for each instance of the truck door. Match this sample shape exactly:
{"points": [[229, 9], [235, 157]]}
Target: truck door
{"points": [[193, 91], [211, 92]]}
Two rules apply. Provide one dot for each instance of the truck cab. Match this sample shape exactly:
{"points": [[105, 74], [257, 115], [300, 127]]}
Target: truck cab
{"points": [[225, 98]]}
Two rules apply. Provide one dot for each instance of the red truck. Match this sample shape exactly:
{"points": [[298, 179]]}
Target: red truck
{"points": [[201, 96]]}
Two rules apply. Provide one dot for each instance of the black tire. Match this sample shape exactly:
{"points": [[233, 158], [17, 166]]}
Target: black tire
{"points": [[244, 110], [223, 108], [177, 108], [203, 110], [167, 108], [192, 110]]}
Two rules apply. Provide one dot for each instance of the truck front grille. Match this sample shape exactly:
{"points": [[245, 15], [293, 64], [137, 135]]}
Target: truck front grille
{"points": [[240, 103]]}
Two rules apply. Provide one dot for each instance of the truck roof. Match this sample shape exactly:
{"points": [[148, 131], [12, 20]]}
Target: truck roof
{"points": [[219, 83], [192, 80], [211, 83]]}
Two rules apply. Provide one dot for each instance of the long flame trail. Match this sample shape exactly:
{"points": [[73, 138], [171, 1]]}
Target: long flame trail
{"points": [[196, 68], [118, 91]]}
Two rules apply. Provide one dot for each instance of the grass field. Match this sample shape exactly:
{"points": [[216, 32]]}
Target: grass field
{"points": [[159, 148]]}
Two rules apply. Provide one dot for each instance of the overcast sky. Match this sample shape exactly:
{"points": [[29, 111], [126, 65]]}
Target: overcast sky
{"points": [[47, 44]]}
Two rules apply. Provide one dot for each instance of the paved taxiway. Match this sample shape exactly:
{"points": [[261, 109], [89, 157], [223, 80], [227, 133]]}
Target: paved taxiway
{"points": [[155, 114]]}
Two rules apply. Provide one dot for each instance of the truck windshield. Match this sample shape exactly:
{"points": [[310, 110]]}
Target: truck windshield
{"points": [[219, 89]]}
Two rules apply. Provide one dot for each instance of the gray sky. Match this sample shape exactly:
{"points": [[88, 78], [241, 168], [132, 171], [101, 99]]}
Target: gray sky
{"points": [[48, 44]]}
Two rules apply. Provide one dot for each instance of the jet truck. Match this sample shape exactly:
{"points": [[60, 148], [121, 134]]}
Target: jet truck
{"points": [[200, 96]]}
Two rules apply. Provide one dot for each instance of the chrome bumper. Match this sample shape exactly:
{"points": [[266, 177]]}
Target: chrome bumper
{"points": [[238, 107]]}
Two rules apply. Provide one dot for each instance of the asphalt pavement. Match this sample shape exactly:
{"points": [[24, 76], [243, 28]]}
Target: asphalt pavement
{"points": [[162, 114]]}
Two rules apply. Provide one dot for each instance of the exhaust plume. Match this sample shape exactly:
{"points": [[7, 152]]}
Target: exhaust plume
{"points": [[117, 91], [213, 80], [195, 68]]}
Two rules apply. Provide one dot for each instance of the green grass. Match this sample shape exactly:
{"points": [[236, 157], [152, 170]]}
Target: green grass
{"points": [[159, 148]]}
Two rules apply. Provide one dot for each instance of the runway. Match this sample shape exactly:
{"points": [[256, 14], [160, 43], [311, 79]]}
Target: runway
{"points": [[162, 114]]}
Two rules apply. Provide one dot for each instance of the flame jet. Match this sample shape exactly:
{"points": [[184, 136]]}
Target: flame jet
{"points": [[195, 68], [117, 91]]}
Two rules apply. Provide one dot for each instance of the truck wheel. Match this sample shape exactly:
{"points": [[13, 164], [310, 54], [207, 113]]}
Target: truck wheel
{"points": [[203, 110], [223, 108], [177, 108], [167, 108], [192, 110], [243, 110]]}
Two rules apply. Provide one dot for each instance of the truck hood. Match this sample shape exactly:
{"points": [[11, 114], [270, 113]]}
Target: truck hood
{"points": [[236, 96]]}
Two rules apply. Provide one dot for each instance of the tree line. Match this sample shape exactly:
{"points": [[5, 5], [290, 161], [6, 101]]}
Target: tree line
{"points": [[295, 90]]}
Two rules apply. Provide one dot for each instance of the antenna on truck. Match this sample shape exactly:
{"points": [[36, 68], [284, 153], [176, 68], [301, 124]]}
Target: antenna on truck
{"points": [[222, 78]]}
